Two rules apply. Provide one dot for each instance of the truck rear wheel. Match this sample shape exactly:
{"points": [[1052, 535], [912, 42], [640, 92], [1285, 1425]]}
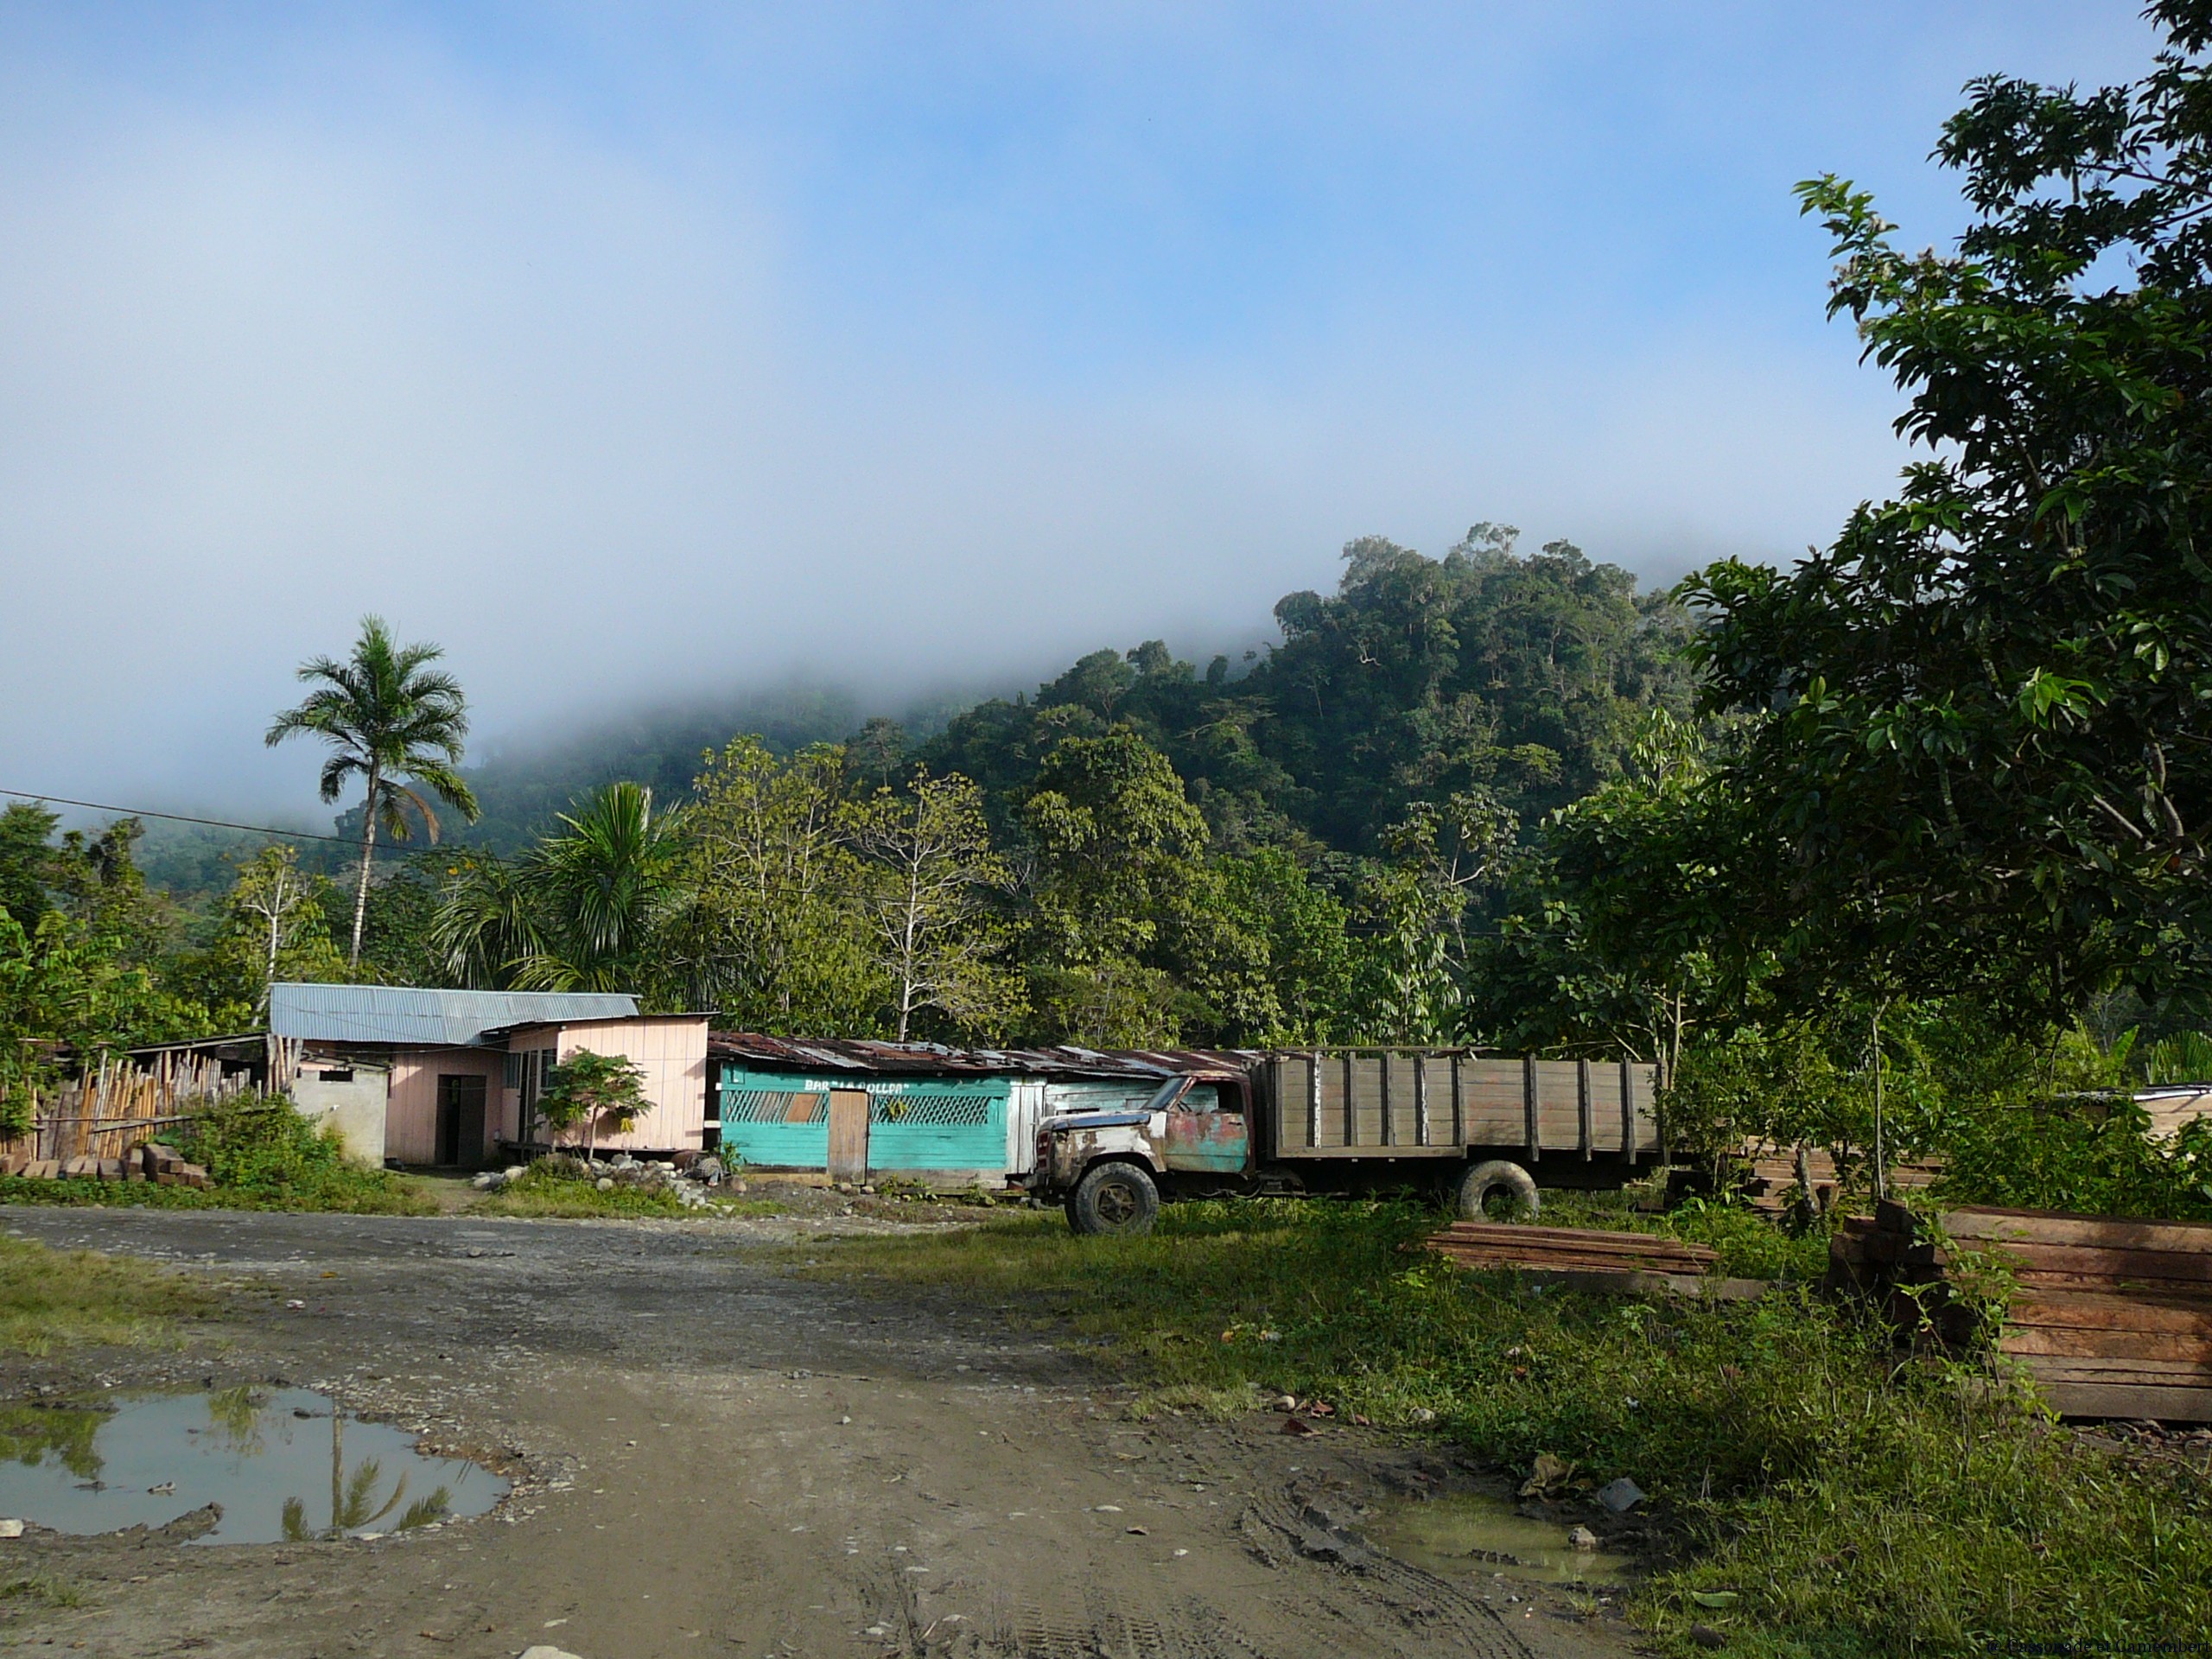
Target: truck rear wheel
{"points": [[1113, 1198], [1497, 1179]]}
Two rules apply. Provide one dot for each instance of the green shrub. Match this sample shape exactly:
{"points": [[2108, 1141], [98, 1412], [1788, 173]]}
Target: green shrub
{"points": [[262, 1153], [1749, 1244], [2094, 1157]]}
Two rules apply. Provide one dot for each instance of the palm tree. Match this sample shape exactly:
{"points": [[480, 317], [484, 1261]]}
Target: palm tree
{"points": [[602, 892], [588, 909], [488, 922], [386, 715]]}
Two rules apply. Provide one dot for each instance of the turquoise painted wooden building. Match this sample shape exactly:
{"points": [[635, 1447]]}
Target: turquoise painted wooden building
{"points": [[944, 1128], [943, 1116]]}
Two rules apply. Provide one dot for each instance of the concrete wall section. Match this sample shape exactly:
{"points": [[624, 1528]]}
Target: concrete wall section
{"points": [[351, 1099]]}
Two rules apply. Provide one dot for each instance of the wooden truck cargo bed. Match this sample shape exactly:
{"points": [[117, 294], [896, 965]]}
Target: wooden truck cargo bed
{"points": [[1444, 1103]]}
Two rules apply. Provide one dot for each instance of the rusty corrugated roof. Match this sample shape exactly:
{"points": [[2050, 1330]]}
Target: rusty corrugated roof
{"points": [[862, 1055]]}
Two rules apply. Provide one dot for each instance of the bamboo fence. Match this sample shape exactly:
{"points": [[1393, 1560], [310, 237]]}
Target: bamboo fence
{"points": [[104, 1113]]}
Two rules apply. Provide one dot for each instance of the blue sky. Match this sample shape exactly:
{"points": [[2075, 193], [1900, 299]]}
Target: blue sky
{"points": [[634, 351]]}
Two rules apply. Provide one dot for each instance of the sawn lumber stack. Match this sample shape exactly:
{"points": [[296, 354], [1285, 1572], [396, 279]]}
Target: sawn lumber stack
{"points": [[153, 1161], [1577, 1251], [2109, 1317]]}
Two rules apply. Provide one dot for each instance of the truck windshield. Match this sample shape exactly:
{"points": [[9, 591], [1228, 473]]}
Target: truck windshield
{"points": [[1164, 1097]]}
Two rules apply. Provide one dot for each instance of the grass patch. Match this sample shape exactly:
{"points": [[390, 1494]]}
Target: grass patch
{"points": [[75, 1194], [750, 1208], [547, 1189], [387, 1194], [51, 1299], [40, 1590], [1836, 1499], [542, 1191]]}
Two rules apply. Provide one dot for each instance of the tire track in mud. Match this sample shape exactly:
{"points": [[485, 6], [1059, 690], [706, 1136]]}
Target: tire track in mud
{"points": [[1339, 1598], [1430, 1612]]}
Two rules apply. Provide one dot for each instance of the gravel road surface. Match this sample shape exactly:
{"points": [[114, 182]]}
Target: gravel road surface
{"points": [[715, 1454]]}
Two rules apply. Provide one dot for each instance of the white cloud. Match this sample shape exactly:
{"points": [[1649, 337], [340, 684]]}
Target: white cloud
{"points": [[589, 408]]}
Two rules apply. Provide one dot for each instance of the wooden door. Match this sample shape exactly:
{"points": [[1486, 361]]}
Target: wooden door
{"points": [[849, 1135], [460, 1121]]}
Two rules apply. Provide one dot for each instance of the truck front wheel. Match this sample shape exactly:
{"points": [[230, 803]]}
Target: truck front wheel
{"points": [[1497, 1179], [1113, 1198]]}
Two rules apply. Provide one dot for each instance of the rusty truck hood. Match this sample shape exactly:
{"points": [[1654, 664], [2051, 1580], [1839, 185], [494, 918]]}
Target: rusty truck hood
{"points": [[1113, 1119]]}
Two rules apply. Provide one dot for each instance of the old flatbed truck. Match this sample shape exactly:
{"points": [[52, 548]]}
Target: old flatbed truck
{"points": [[1472, 1126]]}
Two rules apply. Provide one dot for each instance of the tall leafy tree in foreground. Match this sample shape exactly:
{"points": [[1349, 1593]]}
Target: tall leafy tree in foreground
{"points": [[588, 908], [1610, 937], [393, 721], [1984, 746], [926, 887], [273, 926], [774, 936], [1269, 958], [1117, 848], [91, 969], [486, 923]]}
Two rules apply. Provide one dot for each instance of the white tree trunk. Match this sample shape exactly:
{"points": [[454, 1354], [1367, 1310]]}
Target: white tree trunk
{"points": [[276, 939], [1881, 1152], [368, 850]]}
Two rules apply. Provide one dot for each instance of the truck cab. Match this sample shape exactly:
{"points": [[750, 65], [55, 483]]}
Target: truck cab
{"points": [[1110, 1167]]}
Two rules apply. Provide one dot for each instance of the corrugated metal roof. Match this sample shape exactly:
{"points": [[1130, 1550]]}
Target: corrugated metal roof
{"points": [[409, 1015], [934, 1059]]}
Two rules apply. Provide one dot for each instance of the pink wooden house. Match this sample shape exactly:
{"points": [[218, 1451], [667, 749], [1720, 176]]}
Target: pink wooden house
{"points": [[415, 1076]]}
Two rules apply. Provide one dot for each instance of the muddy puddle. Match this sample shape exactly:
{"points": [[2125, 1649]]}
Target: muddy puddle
{"points": [[1472, 1535], [283, 1464]]}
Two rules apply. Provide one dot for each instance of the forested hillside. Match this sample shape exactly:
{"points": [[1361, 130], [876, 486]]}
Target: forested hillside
{"points": [[1256, 851], [1418, 676], [1525, 677]]}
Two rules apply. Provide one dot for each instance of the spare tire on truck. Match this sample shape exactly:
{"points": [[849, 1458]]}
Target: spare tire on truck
{"points": [[1498, 1176], [1113, 1198]]}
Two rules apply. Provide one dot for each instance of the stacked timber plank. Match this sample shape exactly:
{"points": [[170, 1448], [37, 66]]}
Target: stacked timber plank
{"points": [[1770, 1171], [1578, 1254], [1891, 1259], [2108, 1317], [163, 1165]]}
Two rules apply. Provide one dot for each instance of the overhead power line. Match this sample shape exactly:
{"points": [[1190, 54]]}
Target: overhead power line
{"points": [[180, 817]]}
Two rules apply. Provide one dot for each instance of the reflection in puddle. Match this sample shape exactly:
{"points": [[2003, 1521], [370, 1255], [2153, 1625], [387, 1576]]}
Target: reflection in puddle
{"points": [[1475, 1536], [281, 1462]]}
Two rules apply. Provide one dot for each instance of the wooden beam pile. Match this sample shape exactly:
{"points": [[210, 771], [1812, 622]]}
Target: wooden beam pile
{"points": [[2108, 1317], [163, 1165], [1770, 1173], [1583, 1252]]}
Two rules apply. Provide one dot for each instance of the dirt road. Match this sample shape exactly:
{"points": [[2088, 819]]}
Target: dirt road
{"points": [[715, 1456]]}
